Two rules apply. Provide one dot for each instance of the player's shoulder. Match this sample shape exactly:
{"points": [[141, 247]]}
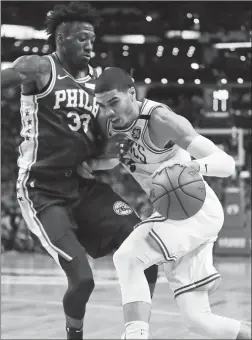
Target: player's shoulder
{"points": [[40, 64], [162, 114]]}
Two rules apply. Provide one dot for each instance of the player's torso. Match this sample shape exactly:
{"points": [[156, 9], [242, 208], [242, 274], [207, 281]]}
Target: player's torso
{"points": [[143, 151], [144, 156], [58, 125]]}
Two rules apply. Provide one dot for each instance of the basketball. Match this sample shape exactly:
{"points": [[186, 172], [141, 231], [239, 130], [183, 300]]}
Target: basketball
{"points": [[178, 192]]}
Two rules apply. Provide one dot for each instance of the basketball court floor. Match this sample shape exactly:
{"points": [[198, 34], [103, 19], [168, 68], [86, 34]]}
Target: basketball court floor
{"points": [[33, 286]]}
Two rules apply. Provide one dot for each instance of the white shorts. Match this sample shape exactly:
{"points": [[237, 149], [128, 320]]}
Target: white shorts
{"points": [[186, 246]]}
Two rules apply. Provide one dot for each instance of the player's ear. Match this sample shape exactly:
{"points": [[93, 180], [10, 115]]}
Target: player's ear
{"points": [[132, 92], [59, 38]]}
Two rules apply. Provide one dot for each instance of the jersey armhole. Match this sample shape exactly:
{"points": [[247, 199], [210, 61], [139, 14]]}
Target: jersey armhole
{"points": [[48, 88], [47, 85], [168, 145]]}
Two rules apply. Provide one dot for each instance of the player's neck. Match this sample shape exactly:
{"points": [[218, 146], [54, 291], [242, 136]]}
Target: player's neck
{"points": [[72, 69]]}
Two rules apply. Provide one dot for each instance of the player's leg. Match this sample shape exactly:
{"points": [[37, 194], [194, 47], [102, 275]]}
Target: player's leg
{"points": [[150, 273], [155, 240], [192, 278], [111, 220], [52, 225], [76, 268], [196, 312], [138, 252]]}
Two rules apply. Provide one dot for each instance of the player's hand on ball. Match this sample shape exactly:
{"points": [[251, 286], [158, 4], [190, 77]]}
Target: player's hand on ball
{"points": [[194, 165], [167, 164]]}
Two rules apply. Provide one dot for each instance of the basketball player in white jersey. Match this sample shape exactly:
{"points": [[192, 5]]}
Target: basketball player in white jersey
{"points": [[159, 138]]}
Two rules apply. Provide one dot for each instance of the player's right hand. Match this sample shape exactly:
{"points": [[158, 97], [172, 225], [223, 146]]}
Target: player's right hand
{"points": [[167, 164]]}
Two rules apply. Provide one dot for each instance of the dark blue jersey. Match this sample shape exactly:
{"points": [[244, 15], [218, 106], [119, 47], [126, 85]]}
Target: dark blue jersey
{"points": [[58, 125]]}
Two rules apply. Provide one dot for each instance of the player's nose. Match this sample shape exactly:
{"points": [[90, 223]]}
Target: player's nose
{"points": [[88, 46]]}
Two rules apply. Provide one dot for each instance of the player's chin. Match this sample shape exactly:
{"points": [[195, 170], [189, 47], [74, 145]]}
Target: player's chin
{"points": [[83, 60]]}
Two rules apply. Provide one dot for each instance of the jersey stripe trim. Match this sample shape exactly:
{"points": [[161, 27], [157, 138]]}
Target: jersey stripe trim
{"points": [[162, 246], [154, 218], [23, 128], [156, 151], [53, 80], [33, 223], [196, 284], [158, 219], [80, 80], [28, 148], [144, 117], [30, 103]]}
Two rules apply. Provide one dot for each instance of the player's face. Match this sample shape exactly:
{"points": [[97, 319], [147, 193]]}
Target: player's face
{"points": [[117, 106], [79, 43]]}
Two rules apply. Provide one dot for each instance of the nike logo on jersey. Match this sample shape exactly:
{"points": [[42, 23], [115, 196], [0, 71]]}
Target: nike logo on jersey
{"points": [[62, 77]]}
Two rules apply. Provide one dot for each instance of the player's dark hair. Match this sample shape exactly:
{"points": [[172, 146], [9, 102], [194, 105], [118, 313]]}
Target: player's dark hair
{"points": [[113, 78], [73, 11]]}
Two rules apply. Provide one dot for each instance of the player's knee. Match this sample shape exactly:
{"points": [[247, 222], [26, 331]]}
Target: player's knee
{"points": [[85, 284], [79, 274], [125, 257], [121, 257]]}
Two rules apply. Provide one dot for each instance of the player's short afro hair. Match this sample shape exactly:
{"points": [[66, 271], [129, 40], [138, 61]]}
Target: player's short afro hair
{"points": [[113, 78], [73, 11]]}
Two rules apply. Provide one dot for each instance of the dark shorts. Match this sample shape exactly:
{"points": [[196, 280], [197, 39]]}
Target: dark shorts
{"points": [[69, 214]]}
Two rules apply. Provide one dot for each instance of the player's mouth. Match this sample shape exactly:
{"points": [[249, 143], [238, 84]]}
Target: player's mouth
{"points": [[86, 56], [116, 122]]}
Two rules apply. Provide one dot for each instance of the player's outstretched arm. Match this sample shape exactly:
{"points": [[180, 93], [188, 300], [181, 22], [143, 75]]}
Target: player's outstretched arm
{"points": [[25, 70], [210, 160]]}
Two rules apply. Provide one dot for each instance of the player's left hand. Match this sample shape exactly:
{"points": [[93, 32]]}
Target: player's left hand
{"points": [[114, 144], [123, 147], [169, 164]]}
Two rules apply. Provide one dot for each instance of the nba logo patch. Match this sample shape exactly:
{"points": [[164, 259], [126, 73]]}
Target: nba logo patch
{"points": [[136, 132]]}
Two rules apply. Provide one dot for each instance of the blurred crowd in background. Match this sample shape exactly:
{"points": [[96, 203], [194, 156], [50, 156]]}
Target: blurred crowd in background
{"points": [[194, 57]]}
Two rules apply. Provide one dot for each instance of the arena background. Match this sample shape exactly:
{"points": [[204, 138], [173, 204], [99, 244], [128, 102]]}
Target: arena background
{"points": [[194, 57]]}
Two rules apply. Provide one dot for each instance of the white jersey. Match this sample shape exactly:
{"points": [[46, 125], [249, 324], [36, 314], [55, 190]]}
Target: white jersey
{"points": [[143, 153]]}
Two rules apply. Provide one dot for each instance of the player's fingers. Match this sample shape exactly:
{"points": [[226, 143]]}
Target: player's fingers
{"points": [[88, 166], [84, 172], [168, 164]]}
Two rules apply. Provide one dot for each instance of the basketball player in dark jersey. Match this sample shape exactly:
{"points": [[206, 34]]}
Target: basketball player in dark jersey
{"points": [[68, 214]]}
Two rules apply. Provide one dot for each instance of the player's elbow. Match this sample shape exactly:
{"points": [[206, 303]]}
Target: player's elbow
{"points": [[229, 165]]}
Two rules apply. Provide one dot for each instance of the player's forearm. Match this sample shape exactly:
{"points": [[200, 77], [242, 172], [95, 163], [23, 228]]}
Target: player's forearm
{"points": [[216, 162], [10, 77], [103, 163]]}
